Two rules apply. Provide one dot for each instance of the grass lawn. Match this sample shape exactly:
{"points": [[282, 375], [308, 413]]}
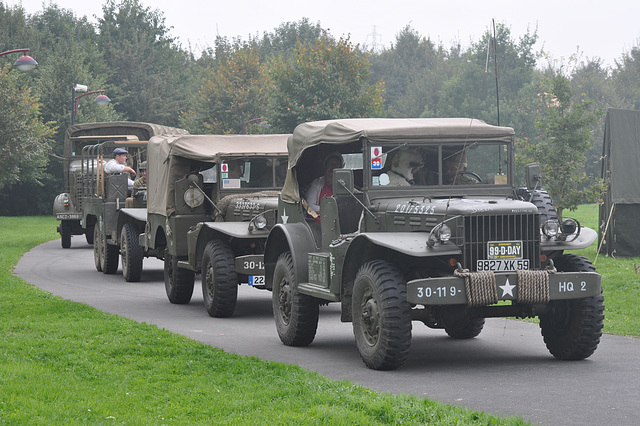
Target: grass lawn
{"points": [[66, 363]]}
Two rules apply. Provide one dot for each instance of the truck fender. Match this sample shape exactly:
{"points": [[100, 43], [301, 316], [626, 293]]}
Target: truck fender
{"points": [[137, 216], [294, 237]]}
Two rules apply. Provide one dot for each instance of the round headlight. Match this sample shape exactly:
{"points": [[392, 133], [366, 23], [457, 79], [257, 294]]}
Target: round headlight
{"points": [[550, 228], [260, 221], [193, 197], [569, 226], [444, 233]]}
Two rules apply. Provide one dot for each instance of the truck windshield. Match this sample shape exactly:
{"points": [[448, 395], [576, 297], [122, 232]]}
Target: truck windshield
{"points": [[429, 164]]}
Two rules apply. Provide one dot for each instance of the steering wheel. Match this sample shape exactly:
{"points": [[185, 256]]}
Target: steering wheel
{"points": [[473, 176]]}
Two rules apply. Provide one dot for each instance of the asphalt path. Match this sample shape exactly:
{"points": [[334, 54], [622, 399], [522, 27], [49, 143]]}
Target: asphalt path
{"points": [[506, 371]]}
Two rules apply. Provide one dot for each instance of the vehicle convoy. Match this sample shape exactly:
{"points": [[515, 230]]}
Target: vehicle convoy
{"points": [[68, 206], [425, 224], [211, 202]]}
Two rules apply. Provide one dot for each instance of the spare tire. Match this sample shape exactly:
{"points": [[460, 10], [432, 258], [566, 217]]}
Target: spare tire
{"points": [[542, 200]]}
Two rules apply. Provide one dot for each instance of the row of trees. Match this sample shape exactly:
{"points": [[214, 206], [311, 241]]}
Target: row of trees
{"points": [[299, 72]]}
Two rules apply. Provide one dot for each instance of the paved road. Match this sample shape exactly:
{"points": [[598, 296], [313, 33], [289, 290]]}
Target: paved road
{"points": [[505, 371]]}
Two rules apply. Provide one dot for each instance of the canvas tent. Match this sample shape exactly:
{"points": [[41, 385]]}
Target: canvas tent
{"points": [[619, 230]]}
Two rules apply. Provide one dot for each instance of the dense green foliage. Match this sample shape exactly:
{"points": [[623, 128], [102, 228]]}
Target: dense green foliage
{"points": [[68, 363], [298, 72]]}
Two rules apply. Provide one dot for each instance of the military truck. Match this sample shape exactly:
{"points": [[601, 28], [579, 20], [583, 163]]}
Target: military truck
{"points": [[117, 210], [425, 225], [211, 202], [67, 206]]}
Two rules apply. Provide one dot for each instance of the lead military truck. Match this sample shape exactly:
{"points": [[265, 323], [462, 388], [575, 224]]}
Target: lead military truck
{"points": [[68, 206], [447, 249], [211, 202]]}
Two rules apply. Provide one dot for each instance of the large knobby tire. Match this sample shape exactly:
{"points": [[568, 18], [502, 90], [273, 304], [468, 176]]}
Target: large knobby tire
{"points": [[111, 257], [458, 325], [542, 200], [131, 252], [219, 279], [65, 233], [381, 316], [88, 235], [178, 282], [295, 314], [572, 328], [98, 251]]}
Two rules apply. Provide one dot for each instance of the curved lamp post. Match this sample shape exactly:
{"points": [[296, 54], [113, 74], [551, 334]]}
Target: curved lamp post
{"points": [[24, 62], [101, 99]]}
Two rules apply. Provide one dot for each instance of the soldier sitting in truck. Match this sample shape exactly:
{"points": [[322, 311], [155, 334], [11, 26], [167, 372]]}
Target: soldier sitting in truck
{"points": [[118, 164], [322, 186]]}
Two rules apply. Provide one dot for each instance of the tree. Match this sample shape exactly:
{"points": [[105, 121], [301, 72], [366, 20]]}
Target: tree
{"points": [[325, 80], [563, 141], [471, 92], [231, 93], [626, 75], [150, 75], [24, 139]]}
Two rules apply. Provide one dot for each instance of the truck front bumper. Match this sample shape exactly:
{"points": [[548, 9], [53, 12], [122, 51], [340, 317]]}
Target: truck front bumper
{"points": [[453, 291]]}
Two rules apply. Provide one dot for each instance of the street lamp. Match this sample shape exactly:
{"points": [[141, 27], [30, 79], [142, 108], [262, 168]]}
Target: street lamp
{"points": [[24, 62], [101, 99]]}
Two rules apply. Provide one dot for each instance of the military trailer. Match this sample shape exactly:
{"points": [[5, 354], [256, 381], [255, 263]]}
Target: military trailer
{"points": [[425, 225], [211, 202], [67, 206]]}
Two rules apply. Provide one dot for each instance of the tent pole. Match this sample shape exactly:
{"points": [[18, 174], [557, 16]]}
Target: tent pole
{"points": [[604, 234]]}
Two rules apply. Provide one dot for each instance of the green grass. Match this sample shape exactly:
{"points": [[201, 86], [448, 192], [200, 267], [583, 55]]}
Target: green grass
{"points": [[620, 282], [67, 363]]}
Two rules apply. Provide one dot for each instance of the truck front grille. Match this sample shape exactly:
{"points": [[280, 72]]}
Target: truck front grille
{"points": [[479, 230]]}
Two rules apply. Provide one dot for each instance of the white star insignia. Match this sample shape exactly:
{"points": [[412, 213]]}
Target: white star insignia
{"points": [[507, 288]]}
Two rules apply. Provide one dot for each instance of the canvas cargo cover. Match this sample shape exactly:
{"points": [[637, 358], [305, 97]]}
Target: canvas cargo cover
{"points": [[621, 154], [345, 131], [169, 158], [144, 131]]}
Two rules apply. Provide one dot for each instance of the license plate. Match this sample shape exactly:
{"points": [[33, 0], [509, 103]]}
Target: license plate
{"points": [[502, 265], [504, 250], [66, 216], [256, 280]]}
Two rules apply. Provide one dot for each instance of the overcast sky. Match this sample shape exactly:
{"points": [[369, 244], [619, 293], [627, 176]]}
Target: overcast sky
{"points": [[604, 29]]}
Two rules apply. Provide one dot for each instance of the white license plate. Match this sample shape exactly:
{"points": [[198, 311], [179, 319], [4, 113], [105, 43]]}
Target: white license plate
{"points": [[67, 216], [502, 265], [256, 280]]}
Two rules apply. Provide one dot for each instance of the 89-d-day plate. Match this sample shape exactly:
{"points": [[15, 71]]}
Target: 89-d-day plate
{"points": [[503, 256]]}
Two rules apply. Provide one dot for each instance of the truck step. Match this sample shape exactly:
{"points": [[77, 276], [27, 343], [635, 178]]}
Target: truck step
{"points": [[318, 291]]}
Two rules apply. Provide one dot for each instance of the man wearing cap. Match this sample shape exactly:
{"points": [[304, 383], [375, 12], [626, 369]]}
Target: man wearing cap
{"points": [[118, 165]]}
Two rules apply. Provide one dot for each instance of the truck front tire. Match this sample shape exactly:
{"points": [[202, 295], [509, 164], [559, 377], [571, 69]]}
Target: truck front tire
{"points": [[178, 282], [572, 328], [381, 316], [65, 233], [295, 314], [219, 279], [131, 252]]}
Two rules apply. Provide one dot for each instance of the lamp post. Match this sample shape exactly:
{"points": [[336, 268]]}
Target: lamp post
{"points": [[244, 123], [24, 62], [101, 99]]}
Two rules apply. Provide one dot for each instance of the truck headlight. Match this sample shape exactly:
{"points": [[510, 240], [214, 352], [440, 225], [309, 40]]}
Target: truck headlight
{"points": [[569, 226], [550, 228], [444, 233], [260, 221], [193, 197]]}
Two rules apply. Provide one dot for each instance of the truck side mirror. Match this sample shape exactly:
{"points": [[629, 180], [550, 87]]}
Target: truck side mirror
{"points": [[342, 182], [534, 176]]}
